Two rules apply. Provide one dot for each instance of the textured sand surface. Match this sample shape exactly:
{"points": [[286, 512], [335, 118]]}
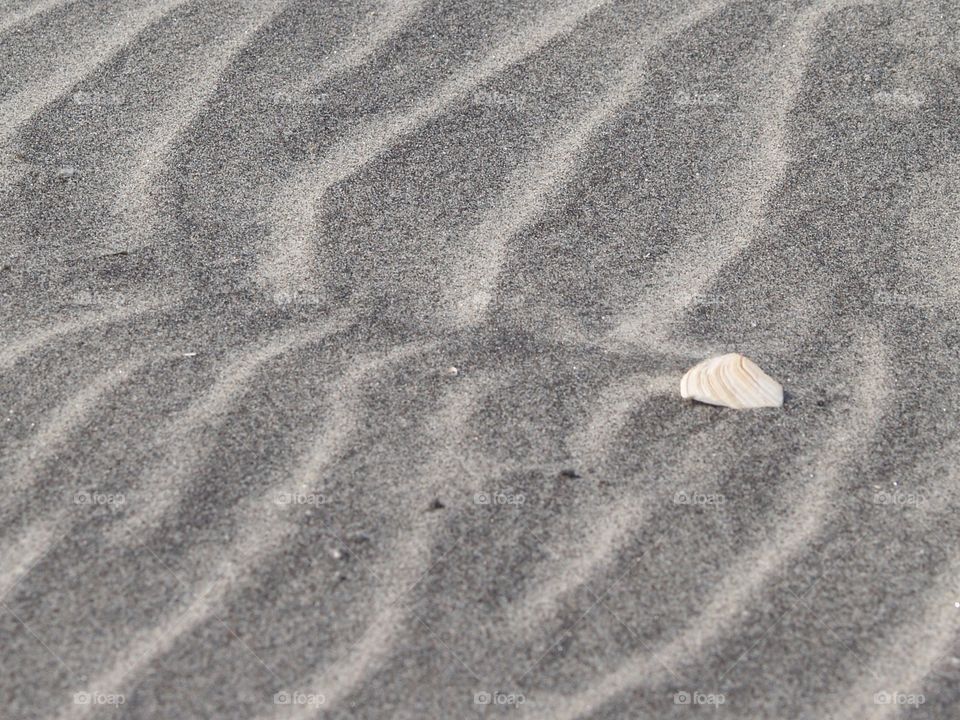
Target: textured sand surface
{"points": [[242, 245]]}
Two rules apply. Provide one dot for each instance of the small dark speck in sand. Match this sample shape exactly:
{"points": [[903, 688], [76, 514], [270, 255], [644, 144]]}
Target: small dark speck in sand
{"points": [[436, 505], [572, 474]]}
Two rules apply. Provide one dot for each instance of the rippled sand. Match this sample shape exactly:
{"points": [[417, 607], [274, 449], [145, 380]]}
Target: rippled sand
{"points": [[341, 345]]}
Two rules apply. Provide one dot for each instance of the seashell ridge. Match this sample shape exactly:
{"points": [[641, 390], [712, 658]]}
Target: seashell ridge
{"points": [[732, 381]]}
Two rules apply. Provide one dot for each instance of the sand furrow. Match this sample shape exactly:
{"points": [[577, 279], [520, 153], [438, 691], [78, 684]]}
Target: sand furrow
{"points": [[68, 419], [15, 20], [745, 580], [900, 669], [475, 270], [593, 551], [19, 348], [180, 437], [244, 244], [288, 261], [266, 525], [135, 204], [750, 187], [389, 19], [405, 566], [27, 551], [25, 104]]}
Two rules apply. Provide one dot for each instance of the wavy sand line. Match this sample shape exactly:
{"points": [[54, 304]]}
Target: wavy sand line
{"points": [[911, 651], [28, 551], [593, 549], [69, 418], [613, 409], [294, 218], [927, 639], [180, 437], [16, 20], [266, 525], [149, 644], [20, 348], [387, 23], [475, 271], [391, 647], [66, 420], [135, 202], [741, 584], [294, 214], [24, 105], [688, 270], [366, 654], [405, 566]]}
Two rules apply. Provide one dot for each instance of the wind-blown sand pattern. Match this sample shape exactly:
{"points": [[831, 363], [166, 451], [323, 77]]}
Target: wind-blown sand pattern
{"points": [[245, 243]]}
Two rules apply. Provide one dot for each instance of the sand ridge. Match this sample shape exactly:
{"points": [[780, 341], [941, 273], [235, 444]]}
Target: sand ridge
{"points": [[342, 346]]}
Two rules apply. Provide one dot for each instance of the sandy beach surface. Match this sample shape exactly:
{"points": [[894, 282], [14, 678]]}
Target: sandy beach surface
{"points": [[341, 348]]}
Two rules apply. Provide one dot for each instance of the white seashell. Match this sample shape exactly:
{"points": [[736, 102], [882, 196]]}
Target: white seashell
{"points": [[731, 381]]}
